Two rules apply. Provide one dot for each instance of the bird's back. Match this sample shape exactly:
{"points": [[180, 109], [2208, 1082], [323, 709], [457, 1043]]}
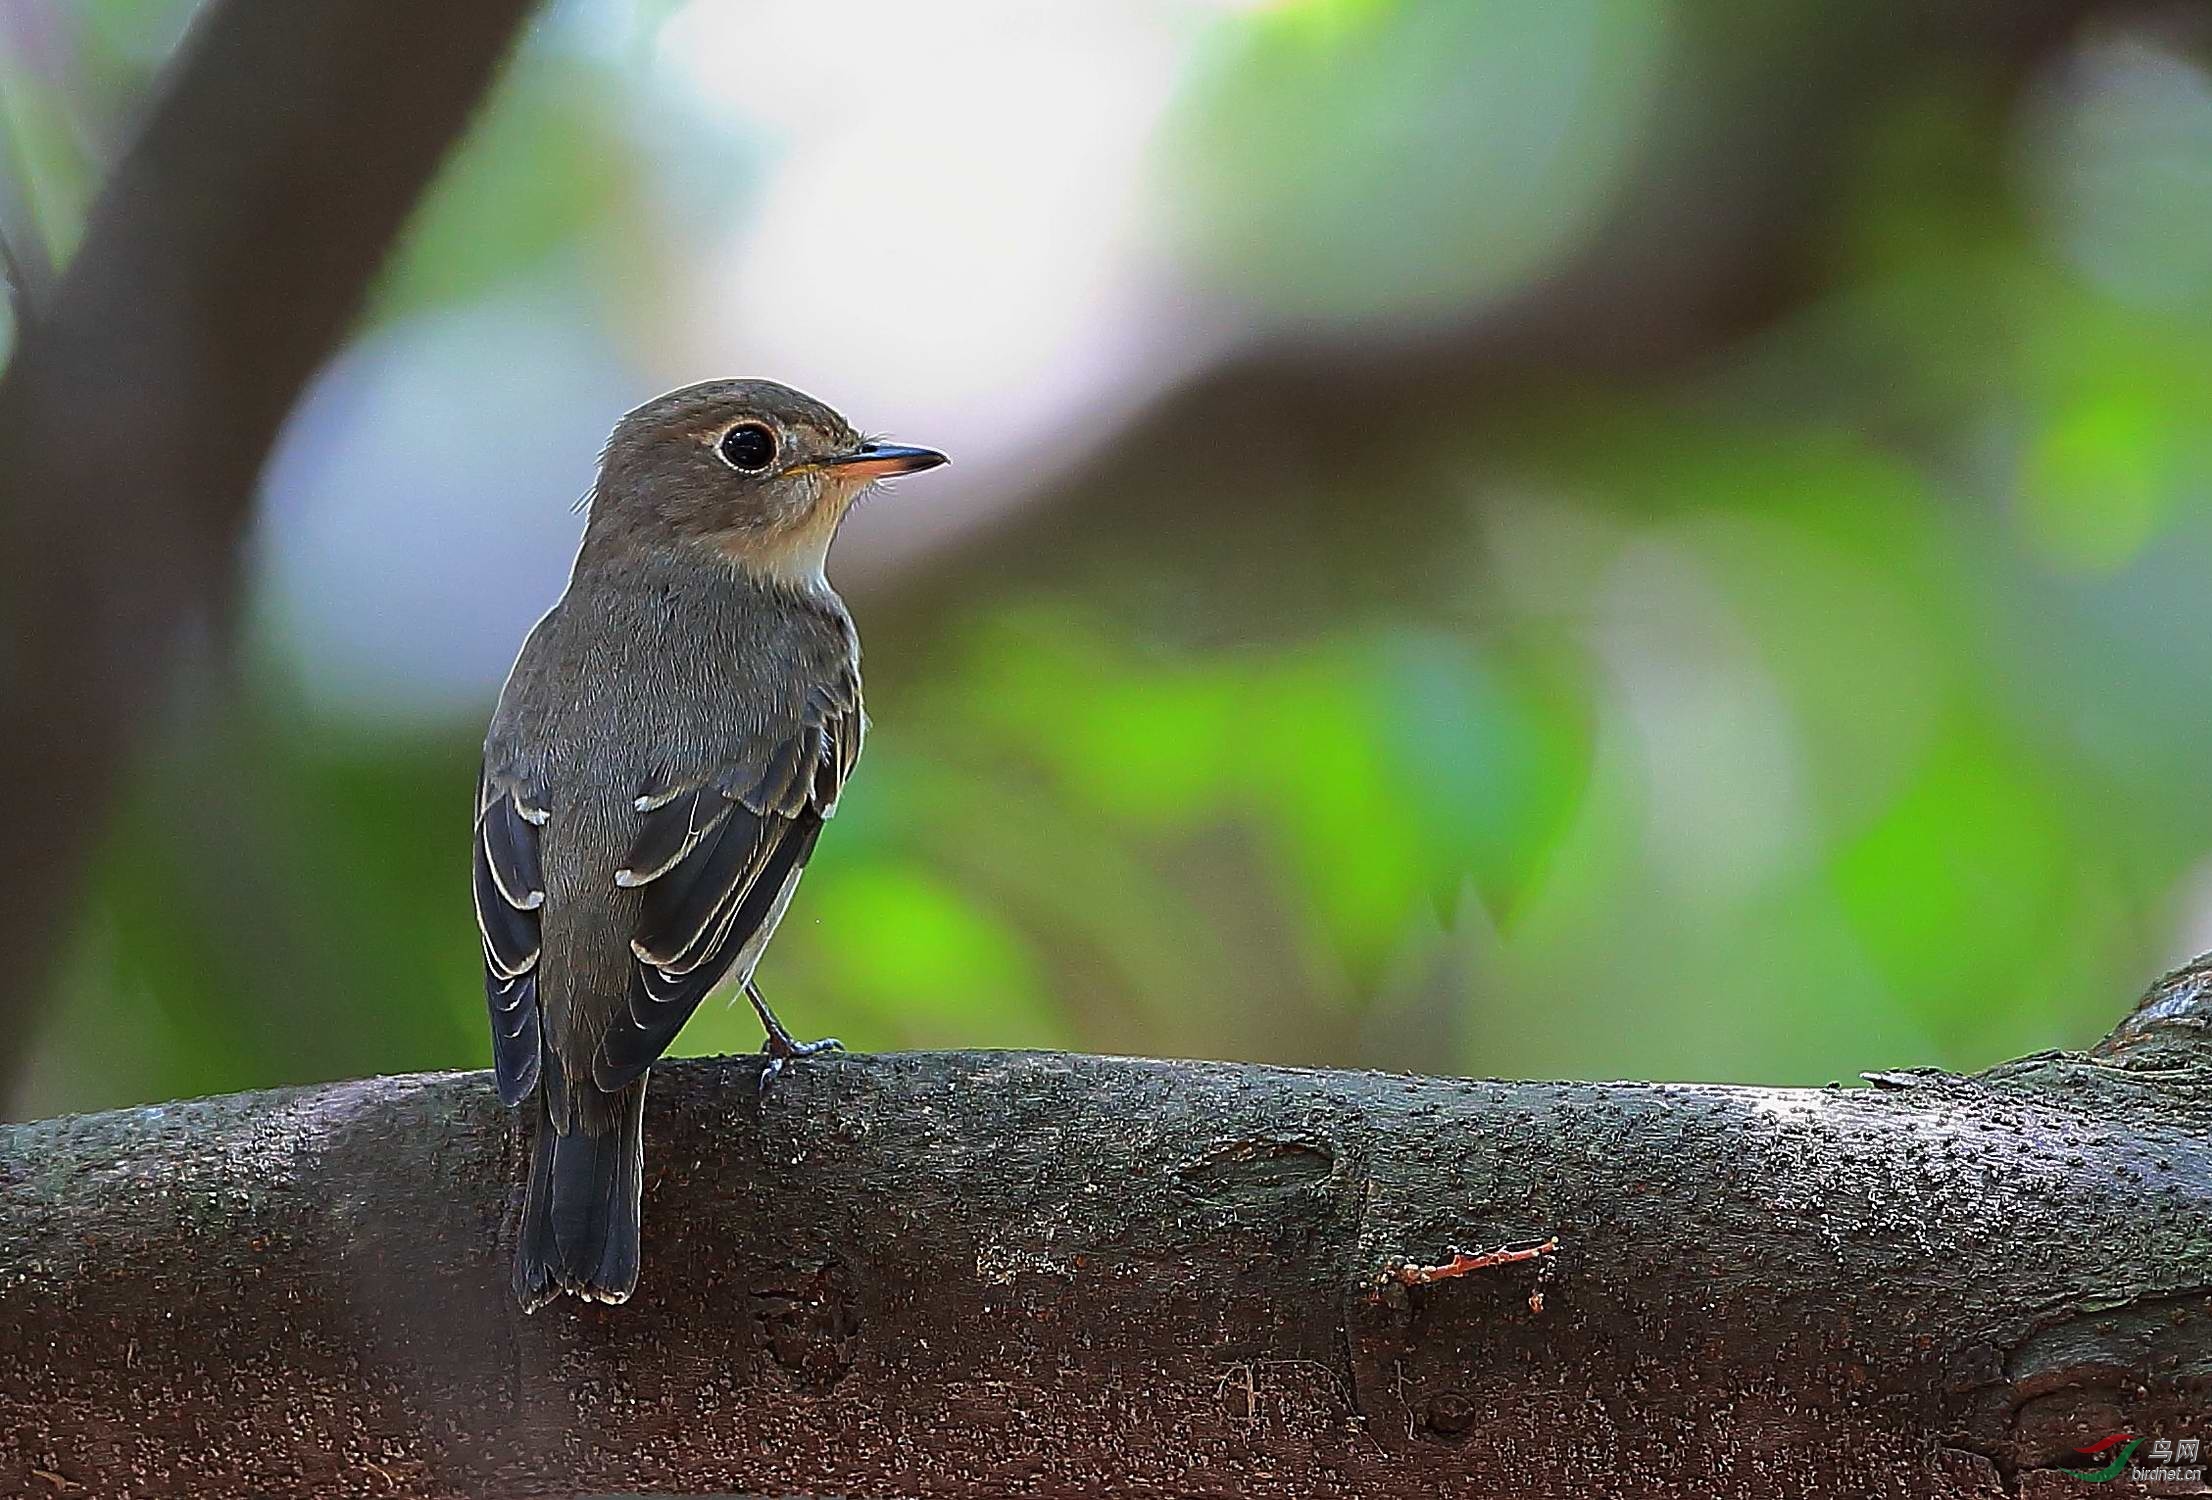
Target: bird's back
{"points": [[660, 673]]}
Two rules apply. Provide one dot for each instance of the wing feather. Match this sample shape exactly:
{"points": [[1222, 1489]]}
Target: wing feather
{"points": [[670, 831], [509, 888], [682, 906], [661, 1000], [717, 861]]}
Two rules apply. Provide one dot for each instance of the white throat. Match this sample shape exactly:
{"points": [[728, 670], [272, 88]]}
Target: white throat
{"points": [[804, 565]]}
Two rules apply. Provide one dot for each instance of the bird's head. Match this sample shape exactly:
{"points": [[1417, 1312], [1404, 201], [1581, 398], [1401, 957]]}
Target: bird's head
{"points": [[755, 471]]}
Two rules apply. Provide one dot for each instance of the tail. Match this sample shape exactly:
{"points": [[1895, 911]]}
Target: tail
{"points": [[580, 1213]]}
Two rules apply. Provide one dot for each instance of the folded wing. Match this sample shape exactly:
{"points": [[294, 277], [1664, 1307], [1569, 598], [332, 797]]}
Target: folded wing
{"points": [[717, 859]]}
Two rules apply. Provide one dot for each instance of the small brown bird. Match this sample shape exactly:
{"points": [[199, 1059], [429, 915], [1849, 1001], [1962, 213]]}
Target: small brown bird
{"points": [[664, 754]]}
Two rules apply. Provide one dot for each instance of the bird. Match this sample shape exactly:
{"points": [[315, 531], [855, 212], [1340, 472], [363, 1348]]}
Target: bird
{"points": [[671, 740]]}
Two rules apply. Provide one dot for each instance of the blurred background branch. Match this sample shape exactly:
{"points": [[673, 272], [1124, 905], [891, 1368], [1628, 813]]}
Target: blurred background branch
{"points": [[220, 266], [1720, 230]]}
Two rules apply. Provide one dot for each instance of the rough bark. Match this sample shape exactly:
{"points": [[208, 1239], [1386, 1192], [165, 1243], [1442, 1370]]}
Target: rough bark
{"points": [[223, 262], [988, 1274]]}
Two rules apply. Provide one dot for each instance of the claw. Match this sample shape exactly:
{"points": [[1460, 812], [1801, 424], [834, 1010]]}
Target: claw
{"points": [[780, 1046], [782, 1052]]}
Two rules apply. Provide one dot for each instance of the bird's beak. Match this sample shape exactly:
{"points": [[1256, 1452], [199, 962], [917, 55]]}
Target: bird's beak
{"points": [[882, 460]]}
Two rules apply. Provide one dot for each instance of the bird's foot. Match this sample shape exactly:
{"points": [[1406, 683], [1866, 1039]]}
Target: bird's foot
{"points": [[781, 1049], [780, 1046]]}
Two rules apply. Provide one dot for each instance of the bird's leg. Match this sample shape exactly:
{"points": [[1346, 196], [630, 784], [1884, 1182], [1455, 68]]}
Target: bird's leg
{"points": [[781, 1047]]}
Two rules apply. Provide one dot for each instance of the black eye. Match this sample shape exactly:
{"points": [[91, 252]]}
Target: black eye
{"points": [[748, 447]]}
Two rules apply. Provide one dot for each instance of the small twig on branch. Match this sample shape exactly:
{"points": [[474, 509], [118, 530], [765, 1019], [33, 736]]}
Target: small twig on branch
{"points": [[1411, 1273]]}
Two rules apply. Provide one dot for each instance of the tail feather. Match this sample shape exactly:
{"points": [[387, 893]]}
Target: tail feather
{"points": [[580, 1213]]}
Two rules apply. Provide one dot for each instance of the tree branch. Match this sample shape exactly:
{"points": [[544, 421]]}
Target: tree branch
{"points": [[983, 1274], [221, 265]]}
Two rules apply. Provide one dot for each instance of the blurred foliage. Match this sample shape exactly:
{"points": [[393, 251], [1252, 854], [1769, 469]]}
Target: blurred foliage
{"points": [[1834, 705], [1296, 140]]}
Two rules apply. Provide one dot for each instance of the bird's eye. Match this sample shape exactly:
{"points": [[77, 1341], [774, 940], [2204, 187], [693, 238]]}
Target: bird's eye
{"points": [[748, 447]]}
